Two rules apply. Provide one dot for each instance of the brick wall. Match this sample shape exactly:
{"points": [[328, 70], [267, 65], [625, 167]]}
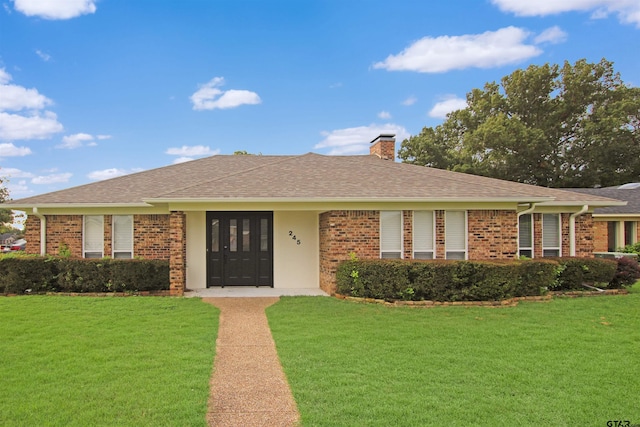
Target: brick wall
{"points": [[151, 236], [342, 233], [585, 240], [407, 233], [178, 252], [492, 234], [600, 236], [440, 246], [385, 149]]}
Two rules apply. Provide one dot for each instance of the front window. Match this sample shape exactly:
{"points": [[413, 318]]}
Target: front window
{"points": [[423, 235], [551, 241], [93, 240], [455, 234], [525, 235], [391, 234], [123, 236]]}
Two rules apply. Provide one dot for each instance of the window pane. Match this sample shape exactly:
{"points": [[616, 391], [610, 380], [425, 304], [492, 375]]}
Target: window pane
{"points": [[550, 231], [264, 235], [524, 232], [215, 235], [423, 255], [391, 255], [391, 231], [525, 252], [93, 235], [629, 227], [422, 231], [551, 252], [455, 255], [454, 231], [246, 235], [123, 233], [233, 235], [612, 231], [122, 255]]}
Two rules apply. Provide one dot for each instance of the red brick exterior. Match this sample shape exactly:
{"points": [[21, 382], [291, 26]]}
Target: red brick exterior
{"points": [[600, 236], [385, 149], [178, 252], [492, 234], [343, 233], [440, 246], [585, 241], [152, 237]]}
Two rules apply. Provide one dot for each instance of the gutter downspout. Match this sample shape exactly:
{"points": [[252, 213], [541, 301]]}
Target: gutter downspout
{"points": [[43, 231], [572, 229], [530, 209]]}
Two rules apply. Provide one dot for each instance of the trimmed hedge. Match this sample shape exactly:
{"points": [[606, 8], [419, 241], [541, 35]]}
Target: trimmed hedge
{"points": [[29, 274], [627, 273], [573, 272], [440, 280]]}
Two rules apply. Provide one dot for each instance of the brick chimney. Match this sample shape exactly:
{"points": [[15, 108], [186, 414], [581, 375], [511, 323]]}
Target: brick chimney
{"points": [[384, 146]]}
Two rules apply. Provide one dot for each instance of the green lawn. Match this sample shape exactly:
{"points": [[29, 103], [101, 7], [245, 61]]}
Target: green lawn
{"points": [[568, 362], [136, 361]]}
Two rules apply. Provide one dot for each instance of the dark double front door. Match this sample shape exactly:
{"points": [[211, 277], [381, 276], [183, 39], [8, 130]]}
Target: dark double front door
{"points": [[239, 249]]}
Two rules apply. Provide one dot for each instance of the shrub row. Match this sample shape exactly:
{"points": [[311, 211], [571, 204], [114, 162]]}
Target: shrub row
{"points": [[19, 275], [441, 280]]}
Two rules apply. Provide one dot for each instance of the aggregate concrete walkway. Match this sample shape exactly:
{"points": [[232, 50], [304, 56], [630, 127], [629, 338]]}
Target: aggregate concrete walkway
{"points": [[248, 386]]}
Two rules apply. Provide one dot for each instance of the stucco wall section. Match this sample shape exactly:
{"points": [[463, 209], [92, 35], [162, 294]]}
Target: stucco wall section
{"points": [[492, 234], [295, 261]]}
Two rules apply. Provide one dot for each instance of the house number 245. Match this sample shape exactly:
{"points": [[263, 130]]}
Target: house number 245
{"points": [[293, 237]]}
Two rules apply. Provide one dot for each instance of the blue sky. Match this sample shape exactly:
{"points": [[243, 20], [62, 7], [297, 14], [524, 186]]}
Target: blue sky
{"points": [[92, 89]]}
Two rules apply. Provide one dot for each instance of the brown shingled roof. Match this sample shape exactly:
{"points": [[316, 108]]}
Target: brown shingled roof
{"points": [[305, 177]]}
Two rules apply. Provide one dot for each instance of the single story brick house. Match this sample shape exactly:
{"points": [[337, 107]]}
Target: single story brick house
{"points": [[287, 221], [616, 226]]}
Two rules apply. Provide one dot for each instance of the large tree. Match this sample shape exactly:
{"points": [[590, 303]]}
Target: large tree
{"points": [[556, 126], [6, 216]]}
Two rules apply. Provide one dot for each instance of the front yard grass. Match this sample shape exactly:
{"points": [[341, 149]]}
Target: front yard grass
{"points": [[566, 362], [137, 361]]}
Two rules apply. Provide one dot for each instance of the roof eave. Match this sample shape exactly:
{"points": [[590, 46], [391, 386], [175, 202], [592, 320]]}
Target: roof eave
{"points": [[73, 205], [348, 199]]}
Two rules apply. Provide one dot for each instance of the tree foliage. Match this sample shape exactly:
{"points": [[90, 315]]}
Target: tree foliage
{"points": [[6, 216], [556, 126]]}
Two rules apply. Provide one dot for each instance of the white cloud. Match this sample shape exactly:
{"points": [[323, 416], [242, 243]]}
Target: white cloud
{"points": [[182, 160], [384, 115], [209, 97], [410, 101], [33, 126], [194, 150], [4, 77], [51, 179], [55, 9], [110, 173], [628, 11], [487, 50], [553, 35], [76, 141], [43, 55], [357, 140], [15, 173], [16, 98], [18, 189], [10, 150], [448, 104], [102, 137]]}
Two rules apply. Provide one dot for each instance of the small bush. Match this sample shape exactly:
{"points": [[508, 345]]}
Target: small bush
{"points": [[574, 272], [626, 274], [632, 249]]}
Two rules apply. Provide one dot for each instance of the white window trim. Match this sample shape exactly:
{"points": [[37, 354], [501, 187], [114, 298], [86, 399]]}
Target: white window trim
{"points": [[113, 237], [84, 235], [533, 243], [466, 235], [558, 248], [433, 234], [401, 251]]}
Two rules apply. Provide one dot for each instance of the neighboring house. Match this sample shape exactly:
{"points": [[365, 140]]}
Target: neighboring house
{"points": [[616, 226], [287, 221]]}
